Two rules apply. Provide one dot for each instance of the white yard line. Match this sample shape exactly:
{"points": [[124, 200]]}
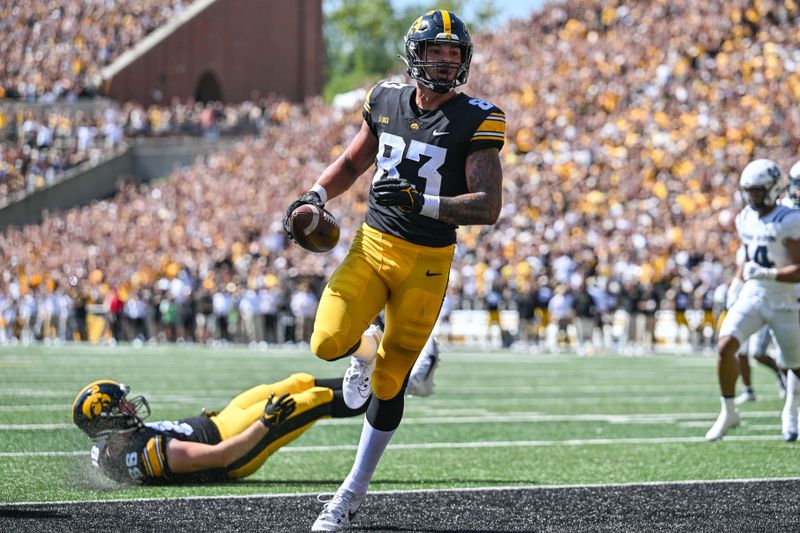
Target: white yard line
{"points": [[474, 444], [49, 407], [483, 418]]}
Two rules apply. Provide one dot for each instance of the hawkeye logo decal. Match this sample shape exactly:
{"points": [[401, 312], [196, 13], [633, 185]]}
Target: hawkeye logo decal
{"points": [[414, 126], [95, 403]]}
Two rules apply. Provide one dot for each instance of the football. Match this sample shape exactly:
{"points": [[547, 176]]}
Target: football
{"points": [[314, 228]]}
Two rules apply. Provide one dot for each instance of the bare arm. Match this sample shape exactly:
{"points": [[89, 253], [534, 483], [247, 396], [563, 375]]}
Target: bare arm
{"points": [[481, 205], [185, 457], [357, 158]]}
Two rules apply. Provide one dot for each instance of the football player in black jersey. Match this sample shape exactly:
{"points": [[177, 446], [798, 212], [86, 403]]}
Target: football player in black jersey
{"points": [[437, 166], [211, 447]]}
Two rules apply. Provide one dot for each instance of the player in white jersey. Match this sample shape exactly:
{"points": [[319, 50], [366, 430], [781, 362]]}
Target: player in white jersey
{"points": [[770, 235], [756, 346]]}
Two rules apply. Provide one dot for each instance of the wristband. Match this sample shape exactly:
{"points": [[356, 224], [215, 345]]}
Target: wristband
{"points": [[430, 208], [320, 190]]}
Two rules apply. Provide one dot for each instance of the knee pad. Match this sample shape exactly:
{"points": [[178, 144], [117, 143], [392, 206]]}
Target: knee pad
{"points": [[384, 385], [325, 346]]}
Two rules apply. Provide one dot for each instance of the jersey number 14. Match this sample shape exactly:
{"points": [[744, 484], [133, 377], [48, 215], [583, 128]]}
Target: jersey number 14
{"points": [[761, 256]]}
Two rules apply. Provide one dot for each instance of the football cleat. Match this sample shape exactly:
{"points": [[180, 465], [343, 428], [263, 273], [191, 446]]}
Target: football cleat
{"points": [[725, 421], [356, 388], [746, 396], [338, 511], [420, 381]]}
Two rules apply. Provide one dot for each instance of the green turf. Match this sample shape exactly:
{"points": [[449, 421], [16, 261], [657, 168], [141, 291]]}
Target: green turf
{"points": [[496, 419]]}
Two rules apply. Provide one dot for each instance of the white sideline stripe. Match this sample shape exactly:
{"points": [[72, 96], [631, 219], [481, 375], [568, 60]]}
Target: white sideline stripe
{"points": [[45, 454], [49, 407], [690, 482], [26, 427], [688, 419], [448, 445]]}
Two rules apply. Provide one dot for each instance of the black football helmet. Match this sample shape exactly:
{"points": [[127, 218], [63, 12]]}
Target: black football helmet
{"points": [[102, 408], [443, 27]]}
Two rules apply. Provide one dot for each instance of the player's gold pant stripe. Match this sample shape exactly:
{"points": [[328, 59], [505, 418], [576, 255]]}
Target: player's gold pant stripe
{"points": [[383, 271], [248, 407], [311, 405], [448, 27]]}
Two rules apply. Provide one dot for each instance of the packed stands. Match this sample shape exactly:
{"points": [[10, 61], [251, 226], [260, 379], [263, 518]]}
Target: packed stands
{"points": [[56, 49], [628, 126], [39, 144]]}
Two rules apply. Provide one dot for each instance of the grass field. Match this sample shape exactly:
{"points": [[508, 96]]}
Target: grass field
{"points": [[495, 420]]}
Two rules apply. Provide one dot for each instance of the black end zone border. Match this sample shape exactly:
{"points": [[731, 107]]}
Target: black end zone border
{"points": [[725, 506]]}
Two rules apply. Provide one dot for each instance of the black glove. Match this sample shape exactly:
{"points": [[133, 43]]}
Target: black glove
{"points": [[275, 413], [310, 197], [398, 192]]}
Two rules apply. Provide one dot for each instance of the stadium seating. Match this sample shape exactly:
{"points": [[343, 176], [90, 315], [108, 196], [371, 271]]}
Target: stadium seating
{"points": [[627, 128]]}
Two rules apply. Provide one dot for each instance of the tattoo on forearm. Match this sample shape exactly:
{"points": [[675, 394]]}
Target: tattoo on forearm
{"points": [[482, 205]]}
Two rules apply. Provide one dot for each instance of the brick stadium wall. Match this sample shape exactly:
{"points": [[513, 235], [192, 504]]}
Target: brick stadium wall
{"points": [[251, 47]]}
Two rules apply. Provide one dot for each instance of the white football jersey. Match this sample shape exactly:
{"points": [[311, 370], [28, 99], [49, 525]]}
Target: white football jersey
{"points": [[763, 242], [788, 202]]}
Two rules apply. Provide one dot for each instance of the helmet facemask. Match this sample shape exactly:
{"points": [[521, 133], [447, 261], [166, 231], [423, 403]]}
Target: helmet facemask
{"points": [[419, 67], [444, 28]]}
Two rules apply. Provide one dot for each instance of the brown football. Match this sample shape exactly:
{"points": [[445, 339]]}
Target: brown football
{"points": [[314, 228]]}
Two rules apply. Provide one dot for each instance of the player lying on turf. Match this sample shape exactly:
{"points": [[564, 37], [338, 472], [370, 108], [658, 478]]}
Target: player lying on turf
{"points": [[211, 447]]}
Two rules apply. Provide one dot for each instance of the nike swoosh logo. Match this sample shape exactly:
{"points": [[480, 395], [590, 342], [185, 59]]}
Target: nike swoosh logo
{"points": [[429, 273], [438, 133]]}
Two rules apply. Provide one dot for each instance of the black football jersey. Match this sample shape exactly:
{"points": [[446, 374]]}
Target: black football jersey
{"points": [[141, 456], [429, 149]]}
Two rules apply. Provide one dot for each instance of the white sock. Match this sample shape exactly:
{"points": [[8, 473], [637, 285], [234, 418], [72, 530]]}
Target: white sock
{"points": [[792, 391], [370, 449], [367, 349], [727, 404]]}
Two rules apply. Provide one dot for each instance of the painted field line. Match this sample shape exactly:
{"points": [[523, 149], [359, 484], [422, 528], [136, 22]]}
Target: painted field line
{"points": [[467, 445], [671, 483], [666, 418], [49, 407], [34, 427]]}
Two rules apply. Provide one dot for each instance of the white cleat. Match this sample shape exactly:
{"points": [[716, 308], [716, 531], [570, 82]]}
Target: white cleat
{"points": [[746, 396], [356, 388], [338, 511], [725, 421], [420, 381]]}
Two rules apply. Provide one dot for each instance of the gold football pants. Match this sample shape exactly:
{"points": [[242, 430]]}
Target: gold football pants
{"points": [[249, 406], [383, 271]]}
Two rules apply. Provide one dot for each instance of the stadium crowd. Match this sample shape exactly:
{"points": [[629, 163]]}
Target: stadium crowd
{"points": [[628, 126], [57, 49], [38, 144]]}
